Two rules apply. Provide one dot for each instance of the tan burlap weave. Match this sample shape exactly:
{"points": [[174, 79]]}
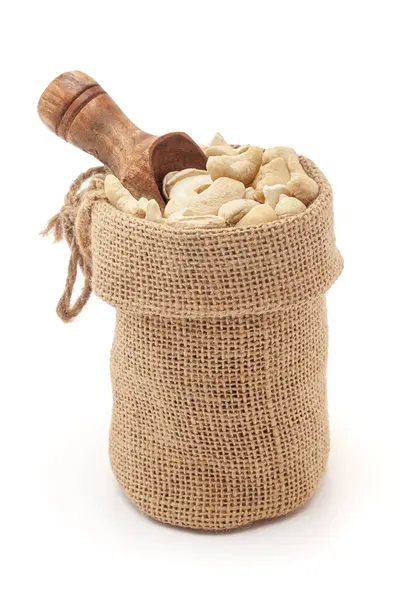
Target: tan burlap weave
{"points": [[219, 357]]}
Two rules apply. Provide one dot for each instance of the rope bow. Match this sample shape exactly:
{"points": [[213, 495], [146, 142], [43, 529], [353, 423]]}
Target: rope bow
{"points": [[72, 224]]}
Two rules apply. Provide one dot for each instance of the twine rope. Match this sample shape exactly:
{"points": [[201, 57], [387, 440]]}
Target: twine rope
{"points": [[72, 224]]}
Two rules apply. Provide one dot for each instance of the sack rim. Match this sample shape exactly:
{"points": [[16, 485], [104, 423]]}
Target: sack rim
{"points": [[215, 273]]}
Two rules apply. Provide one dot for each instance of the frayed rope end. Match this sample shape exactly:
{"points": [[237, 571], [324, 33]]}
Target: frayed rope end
{"points": [[54, 225]]}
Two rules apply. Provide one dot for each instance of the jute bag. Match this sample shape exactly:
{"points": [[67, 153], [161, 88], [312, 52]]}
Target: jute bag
{"points": [[218, 363]]}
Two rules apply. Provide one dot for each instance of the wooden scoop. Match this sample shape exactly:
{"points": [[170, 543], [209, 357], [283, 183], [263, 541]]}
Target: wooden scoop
{"points": [[77, 109]]}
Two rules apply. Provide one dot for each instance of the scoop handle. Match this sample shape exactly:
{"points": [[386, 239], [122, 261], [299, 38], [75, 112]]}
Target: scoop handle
{"points": [[76, 108]]}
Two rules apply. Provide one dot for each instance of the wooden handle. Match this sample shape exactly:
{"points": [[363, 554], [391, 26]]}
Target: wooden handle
{"points": [[75, 107]]}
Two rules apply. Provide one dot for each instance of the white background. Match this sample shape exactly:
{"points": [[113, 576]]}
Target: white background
{"points": [[319, 76]]}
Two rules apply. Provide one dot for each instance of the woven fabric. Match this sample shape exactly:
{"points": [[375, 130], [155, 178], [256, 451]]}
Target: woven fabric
{"points": [[218, 363]]}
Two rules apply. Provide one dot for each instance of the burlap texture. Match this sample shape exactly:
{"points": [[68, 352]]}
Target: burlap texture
{"points": [[218, 363]]}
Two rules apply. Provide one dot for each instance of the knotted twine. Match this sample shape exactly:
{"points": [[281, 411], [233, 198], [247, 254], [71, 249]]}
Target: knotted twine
{"points": [[72, 224]]}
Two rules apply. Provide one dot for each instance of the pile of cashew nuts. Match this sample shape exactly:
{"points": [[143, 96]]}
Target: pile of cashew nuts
{"points": [[242, 186]]}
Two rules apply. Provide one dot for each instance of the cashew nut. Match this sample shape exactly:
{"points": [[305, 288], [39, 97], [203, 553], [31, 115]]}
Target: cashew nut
{"points": [[225, 150], [277, 152], [210, 201], [262, 213], [153, 212], [184, 187], [219, 147], [234, 210], [242, 167], [288, 206], [181, 221], [142, 206], [218, 140], [300, 184], [273, 173], [173, 177], [119, 196], [166, 186], [272, 193]]}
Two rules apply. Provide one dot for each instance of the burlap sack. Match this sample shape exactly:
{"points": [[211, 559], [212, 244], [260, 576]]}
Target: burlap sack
{"points": [[218, 364]]}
